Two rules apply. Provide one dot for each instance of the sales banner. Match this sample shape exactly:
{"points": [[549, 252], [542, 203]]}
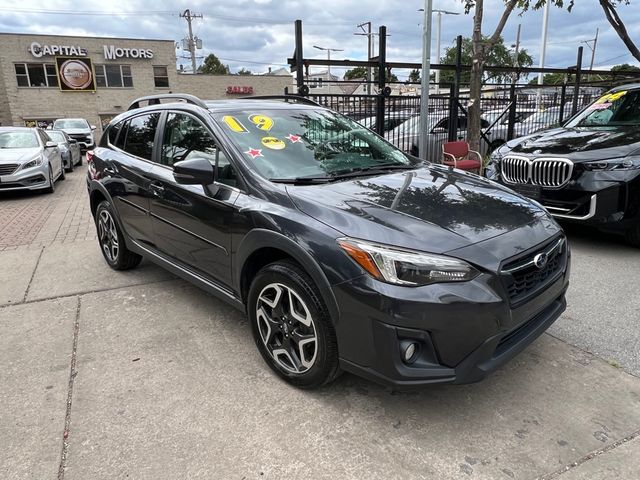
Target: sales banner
{"points": [[75, 74]]}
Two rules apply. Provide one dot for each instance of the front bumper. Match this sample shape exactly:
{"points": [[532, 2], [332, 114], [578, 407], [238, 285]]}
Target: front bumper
{"points": [[464, 331], [606, 199], [30, 179]]}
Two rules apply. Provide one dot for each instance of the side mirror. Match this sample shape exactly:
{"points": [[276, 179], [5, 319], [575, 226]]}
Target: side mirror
{"points": [[195, 171], [50, 144], [93, 127]]}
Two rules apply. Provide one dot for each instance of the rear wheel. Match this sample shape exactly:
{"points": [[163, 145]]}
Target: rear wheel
{"points": [[291, 326], [112, 245], [633, 235]]}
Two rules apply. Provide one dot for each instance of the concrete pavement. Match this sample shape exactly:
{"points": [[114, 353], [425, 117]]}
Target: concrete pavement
{"points": [[140, 375]]}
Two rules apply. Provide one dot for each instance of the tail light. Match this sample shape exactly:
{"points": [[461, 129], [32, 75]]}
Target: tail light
{"points": [[91, 170], [89, 156]]}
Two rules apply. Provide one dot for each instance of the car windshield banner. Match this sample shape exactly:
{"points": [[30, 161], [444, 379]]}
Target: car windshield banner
{"points": [[75, 74]]}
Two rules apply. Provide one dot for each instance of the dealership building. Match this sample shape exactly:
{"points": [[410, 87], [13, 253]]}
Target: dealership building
{"points": [[45, 77]]}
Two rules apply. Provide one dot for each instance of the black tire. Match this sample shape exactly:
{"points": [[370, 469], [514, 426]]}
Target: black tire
{"points": [[71, 165], [323, 367], [633, 235], [118, 257], [80, 161], [52, 184], [63, 173]]}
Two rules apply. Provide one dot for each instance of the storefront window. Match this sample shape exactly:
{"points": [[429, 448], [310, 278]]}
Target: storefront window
{"points": [[36, 75], [160, 76], [113, 76]]}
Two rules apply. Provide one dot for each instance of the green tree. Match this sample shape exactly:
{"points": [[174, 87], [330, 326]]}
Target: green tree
{"points": [[481, 48], [414, 75], [625, 67], [553, 79], [213, 66], [499, 55], [243, 71], [355, 73]]}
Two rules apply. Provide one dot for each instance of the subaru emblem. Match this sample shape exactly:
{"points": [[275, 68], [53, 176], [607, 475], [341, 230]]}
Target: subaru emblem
{"points": [[540, 260]]}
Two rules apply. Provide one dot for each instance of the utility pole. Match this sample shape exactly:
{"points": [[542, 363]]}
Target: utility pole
{"points": [[516, 62], [188, 15], [426, 73], [593, 49], [438, 35], [543, 50], [367, 33]]}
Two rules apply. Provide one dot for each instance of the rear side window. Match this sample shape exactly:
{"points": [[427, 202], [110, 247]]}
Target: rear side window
{"points": [[113, 132], [140, 135]]}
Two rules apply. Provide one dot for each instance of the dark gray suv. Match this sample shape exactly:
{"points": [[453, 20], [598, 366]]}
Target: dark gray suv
{"points": [[345, 253]]}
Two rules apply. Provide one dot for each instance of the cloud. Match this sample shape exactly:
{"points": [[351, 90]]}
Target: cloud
{"points": [[257, 33]]}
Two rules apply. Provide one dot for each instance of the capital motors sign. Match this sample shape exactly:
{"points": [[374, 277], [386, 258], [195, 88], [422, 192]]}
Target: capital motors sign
{"points": [[75, 74], [38, 50]]}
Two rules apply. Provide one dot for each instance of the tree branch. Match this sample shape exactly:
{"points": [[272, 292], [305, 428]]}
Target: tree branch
{"points": [[503, 21], [617, 24]]}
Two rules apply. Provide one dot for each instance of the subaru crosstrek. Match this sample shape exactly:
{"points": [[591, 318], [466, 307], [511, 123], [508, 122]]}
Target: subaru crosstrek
{"points": [[588, 170], [345, 253]]}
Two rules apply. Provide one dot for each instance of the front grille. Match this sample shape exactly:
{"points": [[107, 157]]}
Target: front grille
{"points": [[544, 172], [8, 168], [80, 137], [526, 274]]}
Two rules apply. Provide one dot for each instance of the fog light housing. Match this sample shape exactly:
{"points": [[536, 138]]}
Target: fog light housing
{"points": [[409, 351]]}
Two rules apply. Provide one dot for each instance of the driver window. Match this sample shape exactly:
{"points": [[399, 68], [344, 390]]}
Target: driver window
{"points": [[185, 138]]}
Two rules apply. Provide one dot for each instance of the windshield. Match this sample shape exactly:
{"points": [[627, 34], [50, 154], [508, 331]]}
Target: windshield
{"points": [[70, 123], [612, 109], [18, 140], [291, 144], [56, 136]]}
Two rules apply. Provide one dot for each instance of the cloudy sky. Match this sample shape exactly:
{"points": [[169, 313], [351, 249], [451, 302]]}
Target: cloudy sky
{"points": [[257, 34]]}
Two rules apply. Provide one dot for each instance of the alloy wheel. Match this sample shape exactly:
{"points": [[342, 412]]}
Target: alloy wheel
{"points": [[108, 235], [286, 328]]}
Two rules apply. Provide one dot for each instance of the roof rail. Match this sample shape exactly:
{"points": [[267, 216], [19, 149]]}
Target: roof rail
{"points": [[155, 100], [296, 98]]}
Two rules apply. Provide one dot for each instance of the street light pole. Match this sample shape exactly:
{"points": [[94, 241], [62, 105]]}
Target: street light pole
{"points": [[424, 84], [329, 50], [438, 36]]}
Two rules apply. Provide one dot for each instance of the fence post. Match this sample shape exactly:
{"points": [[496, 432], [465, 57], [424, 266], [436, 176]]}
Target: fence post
{"points": [[299, 58], [512, 111], [563, 99], [576, 90], [455, 97], [382, 79]]}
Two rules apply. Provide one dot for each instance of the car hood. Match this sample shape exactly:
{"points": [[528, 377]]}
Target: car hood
{"points": [[76, 131], [18, 155], [436, 209], [581, 144]]}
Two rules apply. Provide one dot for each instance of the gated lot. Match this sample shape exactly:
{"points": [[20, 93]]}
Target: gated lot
{"points": [[139, 375]]}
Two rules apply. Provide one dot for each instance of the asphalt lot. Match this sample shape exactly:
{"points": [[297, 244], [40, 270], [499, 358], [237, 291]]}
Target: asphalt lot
{"points": [[140, 375]]}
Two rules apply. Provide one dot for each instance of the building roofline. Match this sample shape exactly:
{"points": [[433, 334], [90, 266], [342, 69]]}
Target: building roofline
{"points": [[85, 36]]}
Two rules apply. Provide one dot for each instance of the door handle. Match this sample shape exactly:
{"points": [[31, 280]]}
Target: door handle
{"points": [[110, 171], [156, 189]]}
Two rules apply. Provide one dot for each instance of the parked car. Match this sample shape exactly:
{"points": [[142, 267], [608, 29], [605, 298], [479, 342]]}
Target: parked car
{"points": [[391, 120], [69, 149], [29, 160], [587, 170], [78, 129], [344, 252]]}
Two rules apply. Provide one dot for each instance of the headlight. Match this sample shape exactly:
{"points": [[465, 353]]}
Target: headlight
{"points": [[36, 162], [406, 267], [628, 163]]}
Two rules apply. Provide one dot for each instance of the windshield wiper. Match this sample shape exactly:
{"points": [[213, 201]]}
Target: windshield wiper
{"points": [[371, 170], [302, 180]]}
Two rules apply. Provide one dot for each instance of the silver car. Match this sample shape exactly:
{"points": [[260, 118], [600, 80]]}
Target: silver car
{"points": [[78, 129], [29, 160], [69, 149]]}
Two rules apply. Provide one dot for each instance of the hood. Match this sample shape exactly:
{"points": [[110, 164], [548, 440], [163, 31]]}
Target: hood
{"points": [[18, 155], [435, 208], [77, 131], [582, 144]]}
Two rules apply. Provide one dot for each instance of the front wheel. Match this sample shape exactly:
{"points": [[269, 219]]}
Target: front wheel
{"points": [[112, 245], [291, 326], [52, 186]]}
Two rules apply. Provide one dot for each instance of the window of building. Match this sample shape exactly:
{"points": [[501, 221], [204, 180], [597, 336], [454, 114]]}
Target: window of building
{"points": [[141, 133], [36, 75], [160, 76], [114, 76]]}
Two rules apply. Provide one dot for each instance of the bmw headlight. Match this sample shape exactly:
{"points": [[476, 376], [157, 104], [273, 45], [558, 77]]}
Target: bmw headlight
{"points": [[36, 162], [627, 163], [400, 266]]}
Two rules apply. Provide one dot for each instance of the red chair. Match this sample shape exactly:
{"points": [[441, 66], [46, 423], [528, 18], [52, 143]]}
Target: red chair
{"points": [[456, 154]]}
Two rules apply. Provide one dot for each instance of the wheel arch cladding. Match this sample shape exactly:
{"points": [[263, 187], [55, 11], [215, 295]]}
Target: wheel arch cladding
{"points": [[262, 247]]}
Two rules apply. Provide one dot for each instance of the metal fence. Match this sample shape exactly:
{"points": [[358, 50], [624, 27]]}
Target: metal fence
{"points": [[508, 111]]}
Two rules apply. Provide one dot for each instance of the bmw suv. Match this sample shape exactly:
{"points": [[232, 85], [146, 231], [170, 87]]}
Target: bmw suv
{"points": [[344, 252], [586, 171]]}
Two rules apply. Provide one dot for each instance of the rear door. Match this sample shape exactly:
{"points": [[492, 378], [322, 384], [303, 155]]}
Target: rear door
{"points": [[192, 223], [126, 166]]}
